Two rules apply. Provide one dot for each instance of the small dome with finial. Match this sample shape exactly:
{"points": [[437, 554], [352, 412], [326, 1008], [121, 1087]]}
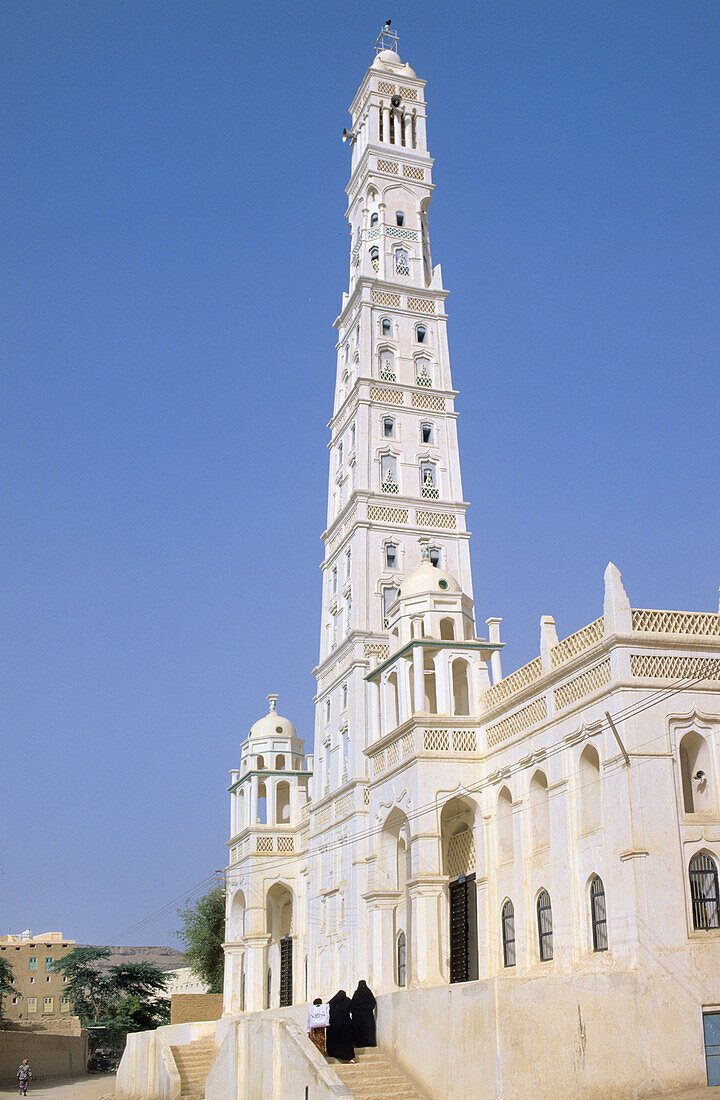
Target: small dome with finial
{"points": [[272, 725]]}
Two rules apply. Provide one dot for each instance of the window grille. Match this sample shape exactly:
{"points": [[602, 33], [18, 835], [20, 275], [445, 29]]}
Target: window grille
{"points": [[508, 934], [402, 263], [401, 959], [545, 931], [389, 484], [704, 892], [598, 914]]}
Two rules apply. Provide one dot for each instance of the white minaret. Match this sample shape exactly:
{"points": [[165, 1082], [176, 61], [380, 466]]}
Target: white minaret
{"points": [[394, 481]]}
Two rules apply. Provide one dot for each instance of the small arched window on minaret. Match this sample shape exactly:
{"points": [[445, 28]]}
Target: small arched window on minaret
{"points": [[400, 217], [375, 258], [423, 377], [387, 365], [420, 334], [385, 326], [374, 218], [388, 474], [402, 262]]}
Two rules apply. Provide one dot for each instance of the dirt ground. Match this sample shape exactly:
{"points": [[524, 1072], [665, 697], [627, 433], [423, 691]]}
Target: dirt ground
{"points": [[96, 1086]]}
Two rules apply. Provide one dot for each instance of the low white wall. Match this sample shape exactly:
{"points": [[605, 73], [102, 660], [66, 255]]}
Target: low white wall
{"points": [[147, 1069], [604, 1036]]}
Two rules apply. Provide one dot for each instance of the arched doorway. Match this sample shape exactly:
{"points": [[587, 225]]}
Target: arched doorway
{"points": [[458, 844], [279, 917]]}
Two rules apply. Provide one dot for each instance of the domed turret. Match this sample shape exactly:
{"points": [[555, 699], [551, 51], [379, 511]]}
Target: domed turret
{"points": [[273, 724], [427, 578], [430, 603]]}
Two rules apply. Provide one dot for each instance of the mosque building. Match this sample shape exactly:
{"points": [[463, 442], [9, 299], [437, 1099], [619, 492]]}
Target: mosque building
{"points": [[523, 867]]}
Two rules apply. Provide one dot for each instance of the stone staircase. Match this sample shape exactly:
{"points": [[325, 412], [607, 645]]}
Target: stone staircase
{"points": [[193, 1063], [375, 1077]]}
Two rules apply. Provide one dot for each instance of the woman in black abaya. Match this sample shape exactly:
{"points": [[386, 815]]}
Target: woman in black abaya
{"points": [[339, 1035], [363, 1016]]}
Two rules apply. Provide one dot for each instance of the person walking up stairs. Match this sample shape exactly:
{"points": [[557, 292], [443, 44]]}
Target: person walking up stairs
{"points": [[374, 1076]]}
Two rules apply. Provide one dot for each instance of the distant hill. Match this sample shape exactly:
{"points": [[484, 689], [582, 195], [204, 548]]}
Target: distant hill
{"points": [[165, 958]]}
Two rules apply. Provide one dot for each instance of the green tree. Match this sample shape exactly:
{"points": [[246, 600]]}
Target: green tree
{"points": [[203, 933], [119, 998], [6, 982]]}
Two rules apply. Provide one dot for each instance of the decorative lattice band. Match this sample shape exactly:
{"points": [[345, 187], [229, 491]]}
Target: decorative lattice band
{"points": [[704, 623], [384, 88], [446, 740], [387, 397], [428, 401], [381, 298], [577, 642], [582, 685], [674, 668], [366, 797], [446, 520], [322, 818], [513, 683], [390, 166], [520, 720], [378, 763], [344, 805], [408, 93], [377, 649], [403, 234], [377, 513], [461, 854], [412, 173], [421, 305]]}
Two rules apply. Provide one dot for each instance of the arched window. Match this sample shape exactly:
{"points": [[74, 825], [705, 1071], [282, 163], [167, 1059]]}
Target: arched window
{"points": [[545, 931], [375, 258], [598, 914], [390, 555], [695, 772], [420, 334], [260, 764], [374, 218], [505, 825], [388, 427], [508, 933], [402, 262], [401, 959], [447, 630], [435, 557], [385, 326], [389, 597], [540, 810], [387, 365], [461, 688], [426, 433], [704, 892], [589, 789], [400, 217], [279, 762], [422, 372], [428, 481], [388, 474]]}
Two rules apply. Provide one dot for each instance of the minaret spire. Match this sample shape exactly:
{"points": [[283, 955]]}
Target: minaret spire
{"points": [[387, 39]]}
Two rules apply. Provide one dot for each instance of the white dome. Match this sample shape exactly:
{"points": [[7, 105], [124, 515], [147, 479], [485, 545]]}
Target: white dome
{"points": [[427, 578], [388, 57], [272, 725]]}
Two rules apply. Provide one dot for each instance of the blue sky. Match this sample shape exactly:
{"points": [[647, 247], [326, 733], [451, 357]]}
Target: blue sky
{"points": [[175, 250]]}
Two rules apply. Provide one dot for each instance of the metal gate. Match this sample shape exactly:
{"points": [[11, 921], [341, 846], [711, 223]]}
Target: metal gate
{"points": [[711, 1029], [286, 975], [459, 930]]}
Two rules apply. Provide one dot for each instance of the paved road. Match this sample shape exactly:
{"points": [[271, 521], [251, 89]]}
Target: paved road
{"points": [[95, 1087]]}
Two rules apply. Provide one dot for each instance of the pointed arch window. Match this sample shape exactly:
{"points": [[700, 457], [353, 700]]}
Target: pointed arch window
{"points": [[427, 435], [508, 933], [704, 892], [387, 365], [545, 928], [598, 914], [402, 261], [388, 427], [375, 258], [401, 959], [420, 334], [374, 218], [434, 554], [388, 474], [428, 481], [391, 555], [400, 217], [385, 326], [423, 377]]}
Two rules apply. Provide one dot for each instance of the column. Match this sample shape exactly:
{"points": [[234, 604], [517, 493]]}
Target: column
{"points": [[403, 680], [493, 626], [374, 707], [232, 979], [427, 897], [442, 682], [254, 784], [381, 926], [418, 668], [271, 800], [385, 706]]}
